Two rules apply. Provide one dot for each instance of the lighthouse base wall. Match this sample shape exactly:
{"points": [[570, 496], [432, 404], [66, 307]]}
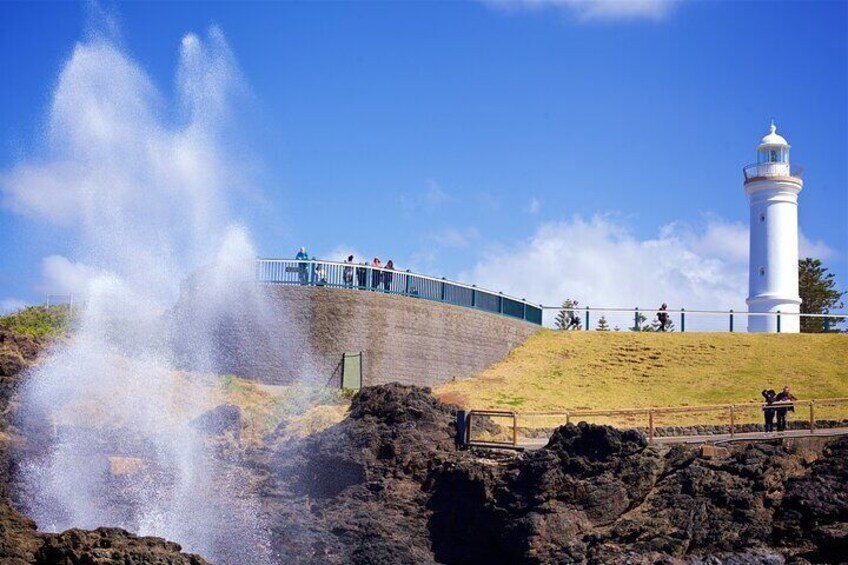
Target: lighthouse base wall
{"points": [[787, 321]]}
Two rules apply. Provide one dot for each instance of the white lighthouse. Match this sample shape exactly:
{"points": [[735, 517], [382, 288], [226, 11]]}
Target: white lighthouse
{"points": [[772, 189]]}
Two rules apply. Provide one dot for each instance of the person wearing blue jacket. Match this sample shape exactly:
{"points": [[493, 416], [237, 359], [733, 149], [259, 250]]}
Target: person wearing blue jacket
{"points": [[302, 268]]}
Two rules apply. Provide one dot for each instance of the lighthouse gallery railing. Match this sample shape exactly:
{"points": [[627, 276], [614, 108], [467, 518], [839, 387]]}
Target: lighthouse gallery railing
{"points": [[761, 170]]}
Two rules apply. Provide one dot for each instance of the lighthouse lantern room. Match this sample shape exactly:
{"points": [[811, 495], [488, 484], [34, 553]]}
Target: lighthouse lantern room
{"points": [[772, 188]]}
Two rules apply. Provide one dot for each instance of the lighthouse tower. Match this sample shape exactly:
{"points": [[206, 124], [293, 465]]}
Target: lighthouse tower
{"points": [[772, 189]]}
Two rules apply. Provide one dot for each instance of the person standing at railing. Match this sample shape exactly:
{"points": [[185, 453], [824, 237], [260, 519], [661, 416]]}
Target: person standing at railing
{"points": [[768, 413], [361, 275], [662, 317], [302, 268], [573, 318], [347, 274], [784, 396], [388, 275], [376, 275], [320, 275]]}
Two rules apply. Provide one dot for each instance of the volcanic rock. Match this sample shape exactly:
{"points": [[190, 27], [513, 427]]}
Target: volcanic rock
{"points": [[221, 419], [388, 485], [21, 544]]}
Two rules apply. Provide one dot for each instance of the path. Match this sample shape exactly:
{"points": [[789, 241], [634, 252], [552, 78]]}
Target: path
{"points": [[538, 443]]}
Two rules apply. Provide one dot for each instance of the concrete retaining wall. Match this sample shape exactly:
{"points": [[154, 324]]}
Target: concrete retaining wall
{"points": [[408, 340]]}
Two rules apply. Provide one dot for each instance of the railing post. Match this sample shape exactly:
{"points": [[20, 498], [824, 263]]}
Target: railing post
{"points": [[587, 318], [473, 296], [778, 321], [443, 289], [514, 429], [462, 427], [500, 303], [732, 419], [682, 320], [567, 419], [731, 321], [406, 292], [812, 416], [524, 315], [650, 426], [826, 323], [636, 324]]}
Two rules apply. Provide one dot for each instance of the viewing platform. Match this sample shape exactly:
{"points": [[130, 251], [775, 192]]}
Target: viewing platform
{"points": [[334, 274]]}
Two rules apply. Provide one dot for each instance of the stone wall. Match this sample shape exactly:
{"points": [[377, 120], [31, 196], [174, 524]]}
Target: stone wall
{"points": [[306, 330]]}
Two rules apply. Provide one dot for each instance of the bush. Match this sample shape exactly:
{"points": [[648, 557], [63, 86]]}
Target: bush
{"points": [[40, 321]]}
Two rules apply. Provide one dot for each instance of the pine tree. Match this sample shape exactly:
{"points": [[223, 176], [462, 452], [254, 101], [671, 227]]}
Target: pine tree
{"points": [[655, 326], [603, 326], [565, 314], [640, 325], [818, 296]]}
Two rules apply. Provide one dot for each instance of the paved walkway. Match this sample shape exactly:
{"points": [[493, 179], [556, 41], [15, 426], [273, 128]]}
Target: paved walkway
{"points": [[538, 443]]}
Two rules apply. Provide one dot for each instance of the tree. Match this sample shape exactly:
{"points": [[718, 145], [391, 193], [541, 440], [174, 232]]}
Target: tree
{"points": [[818, 296], [603, 326], [568, 317], [639, 325], [655, 326]]}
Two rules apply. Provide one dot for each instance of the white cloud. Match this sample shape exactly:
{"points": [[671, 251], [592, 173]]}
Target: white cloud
{"points": [[601, 263], [60, 275], [428, 200], [815, 249], [593, 10], [535, 206], [453, 237]]}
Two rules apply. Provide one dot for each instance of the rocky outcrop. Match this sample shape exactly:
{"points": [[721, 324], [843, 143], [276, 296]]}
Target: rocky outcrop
{"points": [[814, 510], [387, 485], [21, 544], [353, 493], [18, 352]]}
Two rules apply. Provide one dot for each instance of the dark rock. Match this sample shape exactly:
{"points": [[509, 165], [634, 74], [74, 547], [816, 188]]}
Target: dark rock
{"points": [[388, 485], [220, 420], [21, 544]]}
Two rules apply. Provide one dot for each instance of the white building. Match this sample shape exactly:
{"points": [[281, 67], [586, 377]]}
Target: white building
{"points": [[772, 189]]}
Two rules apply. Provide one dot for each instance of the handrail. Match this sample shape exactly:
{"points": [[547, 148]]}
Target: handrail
{"points": [[582, 309], [771, 169], [338, 274], [679, 409], [569, 415]]}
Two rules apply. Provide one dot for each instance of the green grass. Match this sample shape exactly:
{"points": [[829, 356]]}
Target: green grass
{"points": [[561, 371], [40, 321]]}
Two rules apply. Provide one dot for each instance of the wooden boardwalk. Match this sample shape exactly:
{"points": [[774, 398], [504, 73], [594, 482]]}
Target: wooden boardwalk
{"points": [[538, 443]]}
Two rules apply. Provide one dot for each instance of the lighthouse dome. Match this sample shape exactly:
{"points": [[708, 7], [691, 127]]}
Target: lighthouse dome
{"points": [[773, 139]]}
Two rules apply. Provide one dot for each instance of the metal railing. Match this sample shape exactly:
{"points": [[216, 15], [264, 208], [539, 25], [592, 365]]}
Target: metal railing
{"points": [[761, 170], [334, 274], [719, 422], [695, 320]]}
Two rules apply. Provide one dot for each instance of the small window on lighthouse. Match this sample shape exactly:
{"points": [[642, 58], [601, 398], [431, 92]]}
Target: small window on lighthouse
{"points": [[762, 271], [762, 217]]}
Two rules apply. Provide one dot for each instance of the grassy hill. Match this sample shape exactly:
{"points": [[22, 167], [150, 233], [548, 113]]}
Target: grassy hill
{"points": [[611, 370], [39, 321]]}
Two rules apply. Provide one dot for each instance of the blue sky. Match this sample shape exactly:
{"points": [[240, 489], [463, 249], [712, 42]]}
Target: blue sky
{"points": [[547, 149]]}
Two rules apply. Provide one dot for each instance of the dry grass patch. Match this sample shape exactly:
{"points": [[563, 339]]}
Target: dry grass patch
{"points": [[567, 371]]}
